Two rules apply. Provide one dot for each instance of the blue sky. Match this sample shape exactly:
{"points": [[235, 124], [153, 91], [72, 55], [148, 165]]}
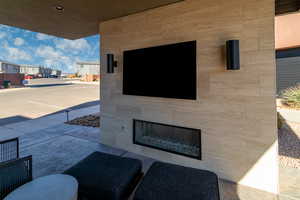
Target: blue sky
{"points": [[25, 47]]}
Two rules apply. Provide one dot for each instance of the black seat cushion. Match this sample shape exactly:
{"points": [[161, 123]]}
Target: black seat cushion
{"points": [[105, 176], [166, 181]]}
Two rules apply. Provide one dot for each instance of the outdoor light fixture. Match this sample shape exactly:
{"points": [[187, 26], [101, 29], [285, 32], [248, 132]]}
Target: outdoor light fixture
{"points": [[233, 54], [59, 8], [111, 63], [67, 112]]}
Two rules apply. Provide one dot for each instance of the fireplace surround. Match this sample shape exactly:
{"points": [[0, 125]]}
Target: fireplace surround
{"points": [[169, 138]]}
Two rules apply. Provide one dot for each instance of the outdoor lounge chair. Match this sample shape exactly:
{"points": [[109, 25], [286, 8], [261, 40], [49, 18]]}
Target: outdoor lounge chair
{"points": [[9, 149], [105, 176], [13, 174], [172, 182]]}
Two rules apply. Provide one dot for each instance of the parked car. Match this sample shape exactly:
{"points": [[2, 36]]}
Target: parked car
{"points": [[27, 77]]}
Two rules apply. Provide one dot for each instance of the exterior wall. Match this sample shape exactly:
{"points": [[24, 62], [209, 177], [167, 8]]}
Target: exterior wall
{"points": [[30, 70], [287, 29], [45, 72], [15, 79], [88, 69], [36, 71], [288, 72], [56, 72], [9, 68], [235, 109]]}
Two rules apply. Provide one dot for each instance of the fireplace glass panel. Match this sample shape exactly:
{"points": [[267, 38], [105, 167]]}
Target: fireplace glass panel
{"points": [[174, 139]]}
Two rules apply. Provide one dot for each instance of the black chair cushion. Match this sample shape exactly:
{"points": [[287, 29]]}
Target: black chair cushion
{"points": [[105, 176], [172, 182]]}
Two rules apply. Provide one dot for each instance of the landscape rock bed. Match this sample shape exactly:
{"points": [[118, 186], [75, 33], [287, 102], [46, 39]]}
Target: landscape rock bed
{"points": [[289, 145], [89, 120]]}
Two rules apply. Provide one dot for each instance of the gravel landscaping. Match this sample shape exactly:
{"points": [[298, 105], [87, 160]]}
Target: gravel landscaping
{"points": [[289, 145], [89, 120]]}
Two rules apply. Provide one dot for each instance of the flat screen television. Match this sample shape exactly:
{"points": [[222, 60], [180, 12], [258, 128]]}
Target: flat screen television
{"points": [[168, 71]]}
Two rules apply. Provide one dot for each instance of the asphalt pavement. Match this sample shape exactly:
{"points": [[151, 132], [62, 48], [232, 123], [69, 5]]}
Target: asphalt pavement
{"points": [[43, 97]]}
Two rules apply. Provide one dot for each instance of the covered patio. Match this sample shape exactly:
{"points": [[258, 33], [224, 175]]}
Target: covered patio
{"points": [[233, 110], [59, 146]]}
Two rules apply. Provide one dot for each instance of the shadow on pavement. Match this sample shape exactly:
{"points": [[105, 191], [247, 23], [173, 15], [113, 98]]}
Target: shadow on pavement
{"points": [[20, 118], [14, 119], [48, 85], [80, 106]]}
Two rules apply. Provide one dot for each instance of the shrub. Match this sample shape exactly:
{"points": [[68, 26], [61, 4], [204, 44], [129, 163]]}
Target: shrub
{"points": [[291, 97]]}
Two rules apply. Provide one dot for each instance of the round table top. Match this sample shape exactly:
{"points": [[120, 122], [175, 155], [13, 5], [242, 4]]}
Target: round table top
{"points": [[52, 187]]}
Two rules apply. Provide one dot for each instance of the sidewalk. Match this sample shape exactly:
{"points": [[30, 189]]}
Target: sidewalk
{"points": [[13, 89], [82, 82], [29, 126], [56, 146], [290, 115]]}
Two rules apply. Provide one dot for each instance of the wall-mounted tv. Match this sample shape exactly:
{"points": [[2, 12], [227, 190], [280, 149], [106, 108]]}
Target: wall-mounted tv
{"points": [[168, 71]]}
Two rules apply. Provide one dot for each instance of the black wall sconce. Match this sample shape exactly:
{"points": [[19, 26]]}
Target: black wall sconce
{"points": [[233, 54], [111, 63]]}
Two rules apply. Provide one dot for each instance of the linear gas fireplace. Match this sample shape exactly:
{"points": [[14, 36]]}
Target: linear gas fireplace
{"points": [[173, 139]]}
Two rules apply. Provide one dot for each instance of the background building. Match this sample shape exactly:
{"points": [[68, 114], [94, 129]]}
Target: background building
{"points": [[9, 68], [287, 51], [39, 71], [87, 68], [45, 72], [30, 70], [10, 72], [56, 73]]}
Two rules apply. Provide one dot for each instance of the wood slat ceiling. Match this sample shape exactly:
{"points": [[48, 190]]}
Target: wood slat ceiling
{"points": [[80, 18]]}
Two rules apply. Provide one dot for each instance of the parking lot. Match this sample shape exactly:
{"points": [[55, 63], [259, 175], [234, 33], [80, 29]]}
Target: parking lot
{"points": [[43, 97]]}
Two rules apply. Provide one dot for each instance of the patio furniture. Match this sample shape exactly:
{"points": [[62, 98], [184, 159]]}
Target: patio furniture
{"points": [[9, 149], [14, 174], [166, 181], [52, 187], [105, 176]]}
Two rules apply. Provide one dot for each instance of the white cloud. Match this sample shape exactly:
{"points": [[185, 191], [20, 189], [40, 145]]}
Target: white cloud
{"points": [[19, 41], [54, 58], [2, 35], [23, 46], [49, 62], [15, 54], [47, 52], [71, 45], [41, 36]]}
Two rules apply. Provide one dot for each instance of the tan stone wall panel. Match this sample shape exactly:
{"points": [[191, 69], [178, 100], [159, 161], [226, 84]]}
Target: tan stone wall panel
{"points": [[234, 109]]}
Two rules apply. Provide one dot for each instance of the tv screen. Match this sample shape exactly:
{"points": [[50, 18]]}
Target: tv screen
{"points": [[168, 71]]}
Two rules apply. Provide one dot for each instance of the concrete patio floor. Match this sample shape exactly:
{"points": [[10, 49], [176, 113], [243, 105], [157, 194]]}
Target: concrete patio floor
{"points": [[56, 146]]}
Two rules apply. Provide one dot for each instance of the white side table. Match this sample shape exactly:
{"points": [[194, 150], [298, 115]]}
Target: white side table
{"points": [[52, 187]]}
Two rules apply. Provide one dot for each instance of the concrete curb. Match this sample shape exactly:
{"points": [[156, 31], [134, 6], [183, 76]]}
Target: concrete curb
{"points": [[290, 115], [86, 83], [13, 89], [32, 125]]}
